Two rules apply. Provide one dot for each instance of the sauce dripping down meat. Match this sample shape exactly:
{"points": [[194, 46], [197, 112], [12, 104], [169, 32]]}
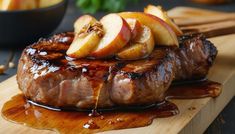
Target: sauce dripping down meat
{"points": [[21, 111], [107, 83]]}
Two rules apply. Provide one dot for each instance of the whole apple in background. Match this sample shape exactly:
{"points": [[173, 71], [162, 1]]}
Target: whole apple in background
{"points": [[163, 33], [141, 47], [135, 27], [117, 35], [159, 12], [87, 36]]}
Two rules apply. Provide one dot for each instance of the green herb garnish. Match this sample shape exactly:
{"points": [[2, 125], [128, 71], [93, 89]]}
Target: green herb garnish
{"points": [[92, 6]]}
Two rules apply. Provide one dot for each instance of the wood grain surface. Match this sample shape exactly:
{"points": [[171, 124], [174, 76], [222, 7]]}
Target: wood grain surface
{"points": [[188, 121], [211, 23]]}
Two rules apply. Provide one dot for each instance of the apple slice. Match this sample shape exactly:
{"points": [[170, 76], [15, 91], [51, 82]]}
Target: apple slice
{"points": [[87, 36], [141, 48], [163, 33], [117, 35], [159, 12], [135, 27], [84, 22], [81, 47]]}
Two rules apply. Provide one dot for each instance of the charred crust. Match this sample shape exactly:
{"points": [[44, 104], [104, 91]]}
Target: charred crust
{"points": [[212, 51], [56, 46], [206, 44], [134, 75], [159, 68]]}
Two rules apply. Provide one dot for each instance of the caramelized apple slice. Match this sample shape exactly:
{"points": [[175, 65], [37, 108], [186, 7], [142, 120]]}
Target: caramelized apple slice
{"points": [[83, 23], [135, 27], [159, 12], [88, 32], [117, 35], [81, 47], [163, 33], [141, 48]]}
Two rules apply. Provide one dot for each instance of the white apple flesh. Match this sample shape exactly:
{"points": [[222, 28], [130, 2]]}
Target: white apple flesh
{"points": [[140, 48], [159, 12], [163, 33], [82, 47], [84, 42], [135, 27], [83, 21], [117, 35]]}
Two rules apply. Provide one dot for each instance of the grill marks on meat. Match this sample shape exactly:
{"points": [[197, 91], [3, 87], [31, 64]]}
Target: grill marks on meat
{"points": [[47, 76], [144, 81]]}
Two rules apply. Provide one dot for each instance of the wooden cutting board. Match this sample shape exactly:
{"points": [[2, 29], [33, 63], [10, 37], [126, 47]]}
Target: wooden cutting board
{"points": [[188, 121], [211, 23]]}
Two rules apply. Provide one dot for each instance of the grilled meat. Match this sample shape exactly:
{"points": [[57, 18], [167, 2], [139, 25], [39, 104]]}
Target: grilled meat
{"points": [[194, 57], [47, 76]]}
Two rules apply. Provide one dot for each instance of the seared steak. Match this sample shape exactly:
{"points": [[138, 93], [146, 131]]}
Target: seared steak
{"points": [[194, 58], [47, 76]]}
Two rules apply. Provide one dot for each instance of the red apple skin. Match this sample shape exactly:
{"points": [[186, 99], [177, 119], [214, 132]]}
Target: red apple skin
{"points": [[163, 33], [140, 48], [150, 9], [116, 45], [135, 28]]}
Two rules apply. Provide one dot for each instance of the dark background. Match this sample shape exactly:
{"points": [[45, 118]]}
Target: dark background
{"points": [[223, 124]]}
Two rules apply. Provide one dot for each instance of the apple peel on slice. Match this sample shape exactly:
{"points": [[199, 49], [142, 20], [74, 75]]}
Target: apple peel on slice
{"points": [[84, 21], [142, 46], [135, 27], [159, 12], [117, 35], [163, 33], [82, 47]]}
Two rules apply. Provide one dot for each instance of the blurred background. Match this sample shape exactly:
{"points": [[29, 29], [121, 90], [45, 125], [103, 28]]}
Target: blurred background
{"points": [[77, 7], [224, 123]]}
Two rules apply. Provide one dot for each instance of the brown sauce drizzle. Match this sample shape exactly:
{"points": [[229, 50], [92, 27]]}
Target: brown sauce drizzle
{"points": [[20, 111], [194, 90]]}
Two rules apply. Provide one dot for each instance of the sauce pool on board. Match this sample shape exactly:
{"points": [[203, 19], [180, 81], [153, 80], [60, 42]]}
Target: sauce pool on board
{"points": [[19, 110]]}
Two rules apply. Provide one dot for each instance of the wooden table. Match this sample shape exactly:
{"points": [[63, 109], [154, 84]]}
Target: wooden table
{"points": [[224, 122]]}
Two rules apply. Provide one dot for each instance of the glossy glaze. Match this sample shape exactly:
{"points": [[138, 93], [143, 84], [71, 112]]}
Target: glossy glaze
{"points": [[20, 111]]}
